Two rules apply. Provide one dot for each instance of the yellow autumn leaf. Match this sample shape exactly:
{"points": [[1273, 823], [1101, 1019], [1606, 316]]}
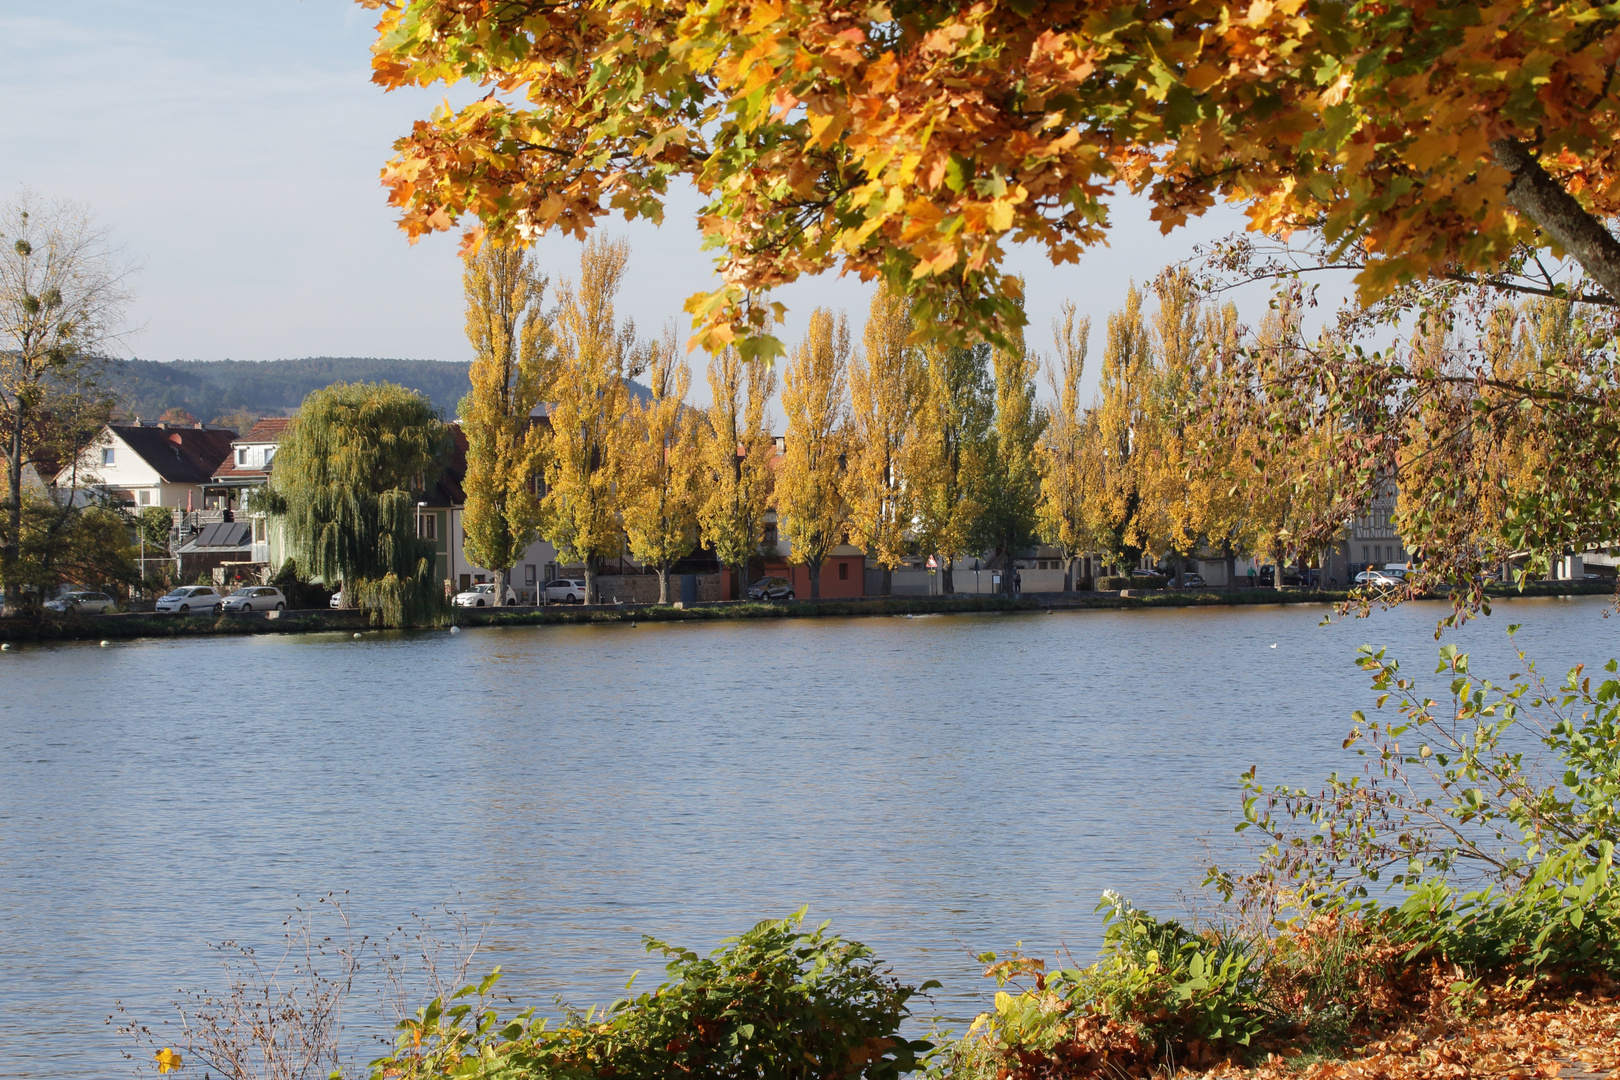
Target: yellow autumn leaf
{"points": [[999, 216], [167, 1060]]}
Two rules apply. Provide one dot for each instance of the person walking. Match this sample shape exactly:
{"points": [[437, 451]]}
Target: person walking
{"points": [[1018, 583], [1251, 575]]}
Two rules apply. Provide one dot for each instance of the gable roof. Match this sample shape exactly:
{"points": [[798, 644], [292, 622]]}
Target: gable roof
{"points": [[179, 454], [268, 430]]}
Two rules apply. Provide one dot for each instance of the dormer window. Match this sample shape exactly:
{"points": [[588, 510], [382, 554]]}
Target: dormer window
{"points": [[241, 455], [269, 452], [107, 455]]}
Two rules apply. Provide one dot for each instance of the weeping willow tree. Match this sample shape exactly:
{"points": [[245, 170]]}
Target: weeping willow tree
{"points": [[344, 485]]}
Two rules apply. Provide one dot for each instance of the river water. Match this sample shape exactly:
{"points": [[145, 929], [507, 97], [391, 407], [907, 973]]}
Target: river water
{"points": [[935, 786]]}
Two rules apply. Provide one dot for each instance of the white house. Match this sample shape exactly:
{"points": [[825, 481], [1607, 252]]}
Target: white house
{"points": [[157, 464]]}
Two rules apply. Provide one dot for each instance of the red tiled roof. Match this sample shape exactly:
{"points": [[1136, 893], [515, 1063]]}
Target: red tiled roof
{"points": [[270, 429]]}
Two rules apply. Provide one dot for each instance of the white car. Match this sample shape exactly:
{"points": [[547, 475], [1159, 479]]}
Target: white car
{"points": [[482, 596], [565, 591], [189, 598], [83, 603], [1380, 578], [256, 598]]}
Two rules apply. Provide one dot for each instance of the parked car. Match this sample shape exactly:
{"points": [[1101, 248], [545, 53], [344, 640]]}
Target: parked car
{"points": [[771, 588], [1378, 578], [482, 596], [565, 591], [1268, 577], [1141, 571], [83, 603], [337, 599], [189, 598], [1193, 581], [256, 598]]}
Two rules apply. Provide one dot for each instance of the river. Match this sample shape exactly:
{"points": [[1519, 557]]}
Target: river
{"points": [[935, 786]]}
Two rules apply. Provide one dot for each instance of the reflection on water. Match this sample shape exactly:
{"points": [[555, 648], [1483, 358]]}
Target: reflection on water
{"points": [[935, 786]]}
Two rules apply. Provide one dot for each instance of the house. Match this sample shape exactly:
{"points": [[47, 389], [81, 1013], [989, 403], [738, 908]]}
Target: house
{"points": [[243, 471], [161, 464]]}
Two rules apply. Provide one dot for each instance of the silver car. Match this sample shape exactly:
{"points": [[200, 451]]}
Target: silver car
{"points": [[256, 598], [189, 598], [83, 603]]}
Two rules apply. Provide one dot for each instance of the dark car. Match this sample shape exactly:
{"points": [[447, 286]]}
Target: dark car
{"points": [[1144, 572], [771, 588]]}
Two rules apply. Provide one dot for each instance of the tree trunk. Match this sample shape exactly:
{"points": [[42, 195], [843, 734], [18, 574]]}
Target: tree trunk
{"points": [[1231, 563], [500, 588], [947, 576], [888, 581], [663, 584], [1542, 199], [815, 578], [13, 545], [1068, 574], [1277, 574], [590, 581]]}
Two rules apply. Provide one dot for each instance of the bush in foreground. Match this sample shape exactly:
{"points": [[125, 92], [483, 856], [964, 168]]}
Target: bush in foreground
{"points": [[773, 1002]]}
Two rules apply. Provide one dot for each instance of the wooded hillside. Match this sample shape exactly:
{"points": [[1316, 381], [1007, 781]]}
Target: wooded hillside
{"points": [[212, 388]]}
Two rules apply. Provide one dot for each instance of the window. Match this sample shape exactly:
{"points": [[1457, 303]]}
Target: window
{"points": [[770, 533], [144, 496], [269, 452], [107, 455], [241, 455], [430, 527], [258, 530], [528, 575], [843, 571]]}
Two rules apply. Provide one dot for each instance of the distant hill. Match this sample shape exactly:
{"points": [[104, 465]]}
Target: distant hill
{"points": [[209, 389], [237, 391]]}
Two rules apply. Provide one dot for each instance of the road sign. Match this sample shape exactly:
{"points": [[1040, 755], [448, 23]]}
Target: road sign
{"points": [[933, 563]]}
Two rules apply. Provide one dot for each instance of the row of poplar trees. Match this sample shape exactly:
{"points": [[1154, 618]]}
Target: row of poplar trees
{"points": [[901, 445], [895, 448]]}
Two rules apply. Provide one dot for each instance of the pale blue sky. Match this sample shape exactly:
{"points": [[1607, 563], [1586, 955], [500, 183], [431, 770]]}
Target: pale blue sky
{"points": [[234, 148]]}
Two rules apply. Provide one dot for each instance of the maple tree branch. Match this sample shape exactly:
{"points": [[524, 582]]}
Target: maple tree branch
{"points": [[1458, 276], [1535, 194]]}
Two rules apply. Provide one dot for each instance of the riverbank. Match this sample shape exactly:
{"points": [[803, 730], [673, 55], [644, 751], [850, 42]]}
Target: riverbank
{"points": [[147, 624]]}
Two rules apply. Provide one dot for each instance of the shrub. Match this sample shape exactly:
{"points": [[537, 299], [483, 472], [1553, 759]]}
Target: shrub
{"points": [[299, 593], [1109, 584], [1159, 992], [1506, 867], [773, 1002]]}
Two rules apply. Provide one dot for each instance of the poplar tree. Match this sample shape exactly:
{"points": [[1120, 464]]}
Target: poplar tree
{"points": [[1012, 482], [737, 451], [595, 356], [886, 389], [1062, 510], [1172, 522], [809, 489], [345, 483], [658, 460], [511, 370], [1121, 417], [948, 457], [1218, 461]]}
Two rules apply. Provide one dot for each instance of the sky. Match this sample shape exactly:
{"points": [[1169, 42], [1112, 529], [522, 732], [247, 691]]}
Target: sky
{"points": [[233, 150]]}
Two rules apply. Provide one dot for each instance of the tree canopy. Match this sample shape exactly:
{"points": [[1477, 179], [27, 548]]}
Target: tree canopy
{"points": [[912, 142], [344, 481]]}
